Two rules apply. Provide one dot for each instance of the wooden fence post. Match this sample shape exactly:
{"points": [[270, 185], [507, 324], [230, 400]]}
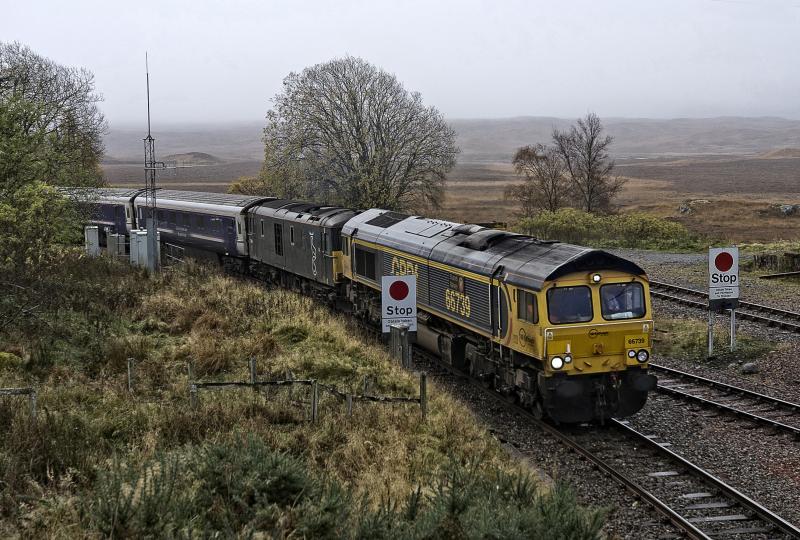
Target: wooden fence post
{"points": [[252, 363], [130, 375], [314, 401], [32, 400], [423, 393], [193, 396]]}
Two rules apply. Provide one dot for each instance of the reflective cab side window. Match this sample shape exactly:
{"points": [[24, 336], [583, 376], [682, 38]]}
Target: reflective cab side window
{"points": [[365, 263], [526, 307]]}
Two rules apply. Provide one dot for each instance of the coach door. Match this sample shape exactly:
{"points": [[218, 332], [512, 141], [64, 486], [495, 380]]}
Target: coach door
{"points": [[253, 228]]}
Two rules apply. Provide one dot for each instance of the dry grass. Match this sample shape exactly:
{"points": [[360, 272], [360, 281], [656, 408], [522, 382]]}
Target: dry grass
{"points": [[56, 473]]}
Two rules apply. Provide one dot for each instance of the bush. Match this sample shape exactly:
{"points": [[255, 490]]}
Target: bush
{"points": [[243, 487], [631, 230]]}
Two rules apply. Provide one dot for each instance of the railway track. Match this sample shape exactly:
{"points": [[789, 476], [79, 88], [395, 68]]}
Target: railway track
{"points": [[749, 311], [762, 409], [694, 501]]}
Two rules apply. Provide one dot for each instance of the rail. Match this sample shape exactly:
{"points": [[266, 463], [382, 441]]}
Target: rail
{"points": [[749, 311], [728, 390], [695, 520]]}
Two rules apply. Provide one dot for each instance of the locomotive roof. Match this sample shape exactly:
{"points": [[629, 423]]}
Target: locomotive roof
{"points": [[517, 259], [324, 216]]}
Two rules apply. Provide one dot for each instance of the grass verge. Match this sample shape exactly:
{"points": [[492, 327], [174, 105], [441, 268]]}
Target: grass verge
{"points": [[101, 462]]}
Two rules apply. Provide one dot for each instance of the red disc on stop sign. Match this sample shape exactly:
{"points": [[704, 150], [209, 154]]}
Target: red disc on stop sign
{"points": [[398, 290], [723, 261]]}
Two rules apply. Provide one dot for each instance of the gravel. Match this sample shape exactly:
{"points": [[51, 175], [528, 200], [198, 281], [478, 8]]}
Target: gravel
{"points": [[755, 460], [627, 518]]}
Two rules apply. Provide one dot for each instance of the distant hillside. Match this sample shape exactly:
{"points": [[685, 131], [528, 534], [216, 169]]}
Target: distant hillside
{"points": [[497, 139], [782, 153], [193, 158], [229, 142]]}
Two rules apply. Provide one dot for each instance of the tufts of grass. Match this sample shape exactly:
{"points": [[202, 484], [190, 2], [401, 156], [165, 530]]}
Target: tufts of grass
{"points": [[99, 461], [687, 339]]}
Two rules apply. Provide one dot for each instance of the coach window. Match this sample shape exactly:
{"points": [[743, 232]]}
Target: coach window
{"points": [[291, 234], [262, 228], [622, 301], [279, 239], [198, 221], [365, 263], [171, 218], [526, 307]]}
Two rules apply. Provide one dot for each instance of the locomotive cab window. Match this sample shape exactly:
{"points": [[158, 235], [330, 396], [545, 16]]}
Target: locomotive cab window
{"points": [[365, 263], [291, 234], [526, 307], [569, 305], [346, 247], [262, 228], [622, 301]]}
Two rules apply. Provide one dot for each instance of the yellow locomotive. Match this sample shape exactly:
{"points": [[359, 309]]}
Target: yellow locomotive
{"points": [[564, 329]]}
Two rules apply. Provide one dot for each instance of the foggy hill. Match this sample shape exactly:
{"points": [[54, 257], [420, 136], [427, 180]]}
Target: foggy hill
{"points": [[228, 142], [496, 139], [193, 158]]}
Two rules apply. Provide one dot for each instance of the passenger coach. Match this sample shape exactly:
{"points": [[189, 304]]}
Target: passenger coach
{"points": [[203, 223]]}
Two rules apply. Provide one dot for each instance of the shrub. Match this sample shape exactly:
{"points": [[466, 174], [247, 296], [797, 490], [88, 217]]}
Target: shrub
{"points": [[631, 230]]}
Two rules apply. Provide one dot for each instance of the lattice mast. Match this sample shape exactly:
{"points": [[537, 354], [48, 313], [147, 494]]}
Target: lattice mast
{"points": [[150, 167]]}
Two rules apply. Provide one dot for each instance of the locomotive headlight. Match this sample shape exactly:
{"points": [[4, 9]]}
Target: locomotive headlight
{"points": [[556, 362], [631, 354], [567, 358], [642, 356], [596, 278]]}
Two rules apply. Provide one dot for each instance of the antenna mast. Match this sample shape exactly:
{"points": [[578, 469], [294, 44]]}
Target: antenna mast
{"points": [[150, 167]]}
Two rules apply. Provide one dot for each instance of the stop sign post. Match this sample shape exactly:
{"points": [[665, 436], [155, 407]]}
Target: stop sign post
{"points": [[399, 302], [723, 289]]}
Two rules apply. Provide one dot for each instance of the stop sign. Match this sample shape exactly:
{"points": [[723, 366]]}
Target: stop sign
{"points": [[399, 301], [723, 274]]}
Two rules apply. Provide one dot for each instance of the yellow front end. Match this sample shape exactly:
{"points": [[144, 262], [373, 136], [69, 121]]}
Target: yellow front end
{"points": [[614, 335]]}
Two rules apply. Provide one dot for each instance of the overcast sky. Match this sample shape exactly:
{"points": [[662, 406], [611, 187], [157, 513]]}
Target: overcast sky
{"points": [[223, 61]]}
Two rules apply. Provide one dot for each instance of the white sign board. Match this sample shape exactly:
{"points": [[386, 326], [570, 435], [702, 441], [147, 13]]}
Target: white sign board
{"points": [[723, 273], [399, 302]]}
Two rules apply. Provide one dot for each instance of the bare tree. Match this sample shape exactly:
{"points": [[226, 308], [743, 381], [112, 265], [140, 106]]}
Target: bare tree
{"points": [[347, 132], [546, 185], [584, 151]]}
